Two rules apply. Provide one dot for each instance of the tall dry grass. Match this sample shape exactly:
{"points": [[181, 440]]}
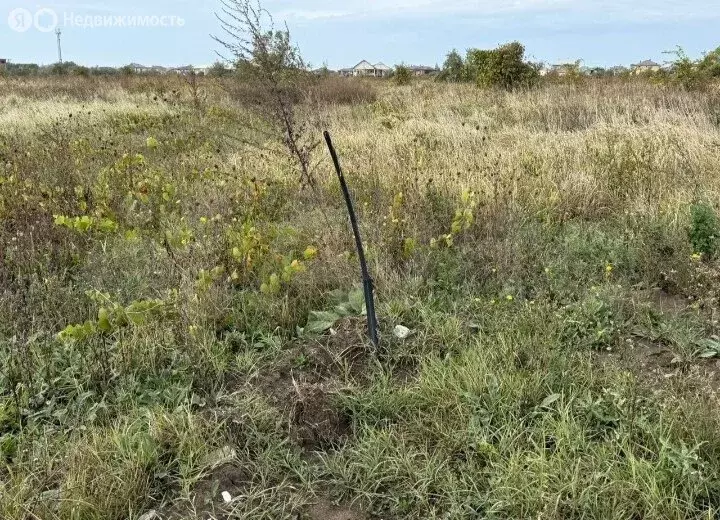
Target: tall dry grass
{"points": [[582, 151]]}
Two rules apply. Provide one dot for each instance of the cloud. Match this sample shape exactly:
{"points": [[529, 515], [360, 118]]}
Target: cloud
{"points": [[315, 9], [597, 10], [310, 14]]}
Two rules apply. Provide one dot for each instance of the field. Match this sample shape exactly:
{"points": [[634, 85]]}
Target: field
{"points": [[181, 328]]}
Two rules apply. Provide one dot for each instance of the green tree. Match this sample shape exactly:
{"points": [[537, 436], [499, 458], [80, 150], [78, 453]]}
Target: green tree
{"points": [[505, 67], [81, 71], [218, 70], [685, 72], [402, 75], [454, 68], [710, 64], [477, 62]]}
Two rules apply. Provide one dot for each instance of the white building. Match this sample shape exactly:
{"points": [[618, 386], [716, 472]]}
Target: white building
{"points": [[367, 69]]}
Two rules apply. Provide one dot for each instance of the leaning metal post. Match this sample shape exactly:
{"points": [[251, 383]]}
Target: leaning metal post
{"points": [[367, 281]]}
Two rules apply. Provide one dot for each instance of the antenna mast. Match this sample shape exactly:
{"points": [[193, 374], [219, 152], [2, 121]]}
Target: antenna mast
{"points": [[59, 32]]}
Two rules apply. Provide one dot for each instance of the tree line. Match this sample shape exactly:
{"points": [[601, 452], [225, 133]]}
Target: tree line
{"points": [[507, 67]]}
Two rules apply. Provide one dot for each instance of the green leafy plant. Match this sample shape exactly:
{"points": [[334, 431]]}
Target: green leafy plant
{"points": [[709, 348], [290, 268], [86, 223], [592, 323], [112, 316], [704, 229], [346, 304], [462, 221], [207, 277]]}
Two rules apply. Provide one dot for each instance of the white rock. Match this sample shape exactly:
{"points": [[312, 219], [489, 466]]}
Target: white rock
{"points": [[227, 497], [401, 332]]}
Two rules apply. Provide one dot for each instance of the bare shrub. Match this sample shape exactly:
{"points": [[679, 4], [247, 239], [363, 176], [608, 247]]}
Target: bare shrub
{"points": [[273, 77]]}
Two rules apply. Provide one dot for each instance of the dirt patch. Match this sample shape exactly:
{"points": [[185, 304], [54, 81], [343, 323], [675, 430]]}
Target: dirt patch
{"points": [[317, 421], [326, 510], [650, 358], [228, 478], [337, 357], [656, 365], [665, 372], [665, 302], [306, 382], [342, 353], [206, 499]]}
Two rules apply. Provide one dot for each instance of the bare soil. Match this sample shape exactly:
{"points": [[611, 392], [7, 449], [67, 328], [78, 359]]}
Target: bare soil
{"points": [[326, 510], [661, 369]]}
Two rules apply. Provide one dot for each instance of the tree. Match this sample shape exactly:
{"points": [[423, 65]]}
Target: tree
{"points": [[62, 69], [477, 62], [454, 67], [273, 74], [686, 72], [402, 75], [81, 71], [505, 67], [218, 70], [710, 64]]}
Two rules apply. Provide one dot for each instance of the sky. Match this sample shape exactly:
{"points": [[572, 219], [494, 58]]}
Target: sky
{"points": [[340, 33]]}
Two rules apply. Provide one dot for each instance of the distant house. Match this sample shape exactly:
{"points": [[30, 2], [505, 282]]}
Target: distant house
{"points": [[185, 70], [382, 70], [422, 70], [364, 68], [202, 69], [561, 69], [139, 69], [367, 69], [645, 66]]}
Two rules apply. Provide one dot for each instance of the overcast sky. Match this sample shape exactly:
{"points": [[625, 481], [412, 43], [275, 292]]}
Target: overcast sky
{"points": [[342, 32]]}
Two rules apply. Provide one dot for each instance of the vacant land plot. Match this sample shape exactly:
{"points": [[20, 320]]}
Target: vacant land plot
{"points": [[181, 333]]}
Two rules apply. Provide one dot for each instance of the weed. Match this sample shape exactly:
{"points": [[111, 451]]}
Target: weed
{"points": [[704, 229]]}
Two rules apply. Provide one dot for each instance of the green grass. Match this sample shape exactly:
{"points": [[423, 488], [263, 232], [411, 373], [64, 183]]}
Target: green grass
{"points": [[539, 245]]}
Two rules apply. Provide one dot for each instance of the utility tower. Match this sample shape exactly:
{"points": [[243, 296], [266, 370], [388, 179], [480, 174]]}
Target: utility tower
{"points": [[59, 32]]}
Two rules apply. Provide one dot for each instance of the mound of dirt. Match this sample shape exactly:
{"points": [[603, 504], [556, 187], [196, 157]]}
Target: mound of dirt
{"points": [[317, 422], [227, 477], [206, 499], [325, 510]]}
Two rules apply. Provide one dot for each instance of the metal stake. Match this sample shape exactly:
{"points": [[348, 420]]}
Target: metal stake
{"points": [[367, 281]]}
